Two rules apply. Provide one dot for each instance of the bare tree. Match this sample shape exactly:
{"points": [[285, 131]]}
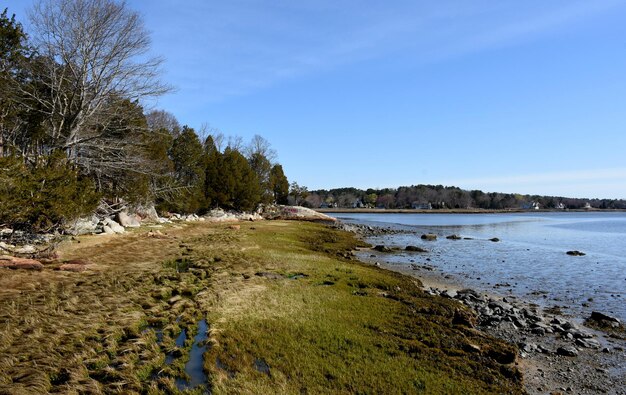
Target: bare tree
{"points": [[163, 120], [89, 51], [259, 145]]}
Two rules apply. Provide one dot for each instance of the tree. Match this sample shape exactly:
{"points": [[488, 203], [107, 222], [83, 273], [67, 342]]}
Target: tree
{"points": [[12, 52], [189, 170], [279, 184], [237, 186], [299, 193], [88, 52]]}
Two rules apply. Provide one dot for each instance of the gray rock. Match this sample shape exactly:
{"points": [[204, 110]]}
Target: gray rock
{"points": [[567, 351], [588, 343], [115, 227], [429, 237], [83, 226], [126, 220], [575, 253], [26, 249], [106, 229], [382, 248], [597, 316], [415, 249]]}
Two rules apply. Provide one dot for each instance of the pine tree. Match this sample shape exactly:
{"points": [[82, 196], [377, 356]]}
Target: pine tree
{"points": [[278, 184]]}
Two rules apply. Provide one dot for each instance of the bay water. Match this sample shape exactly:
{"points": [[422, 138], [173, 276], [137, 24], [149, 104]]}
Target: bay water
{"points": [[529, 261]]}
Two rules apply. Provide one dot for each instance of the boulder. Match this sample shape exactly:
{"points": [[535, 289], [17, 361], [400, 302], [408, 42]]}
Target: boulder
{"points": [[454, 237], [382, 248], [83, 226], [415, 249], [567, 351], [146, 213], [21, 263], [128, 220], [429, 237], [294, 213], [494, 239], [115, 227], [575, 253], [25, 250], [106, 229]]}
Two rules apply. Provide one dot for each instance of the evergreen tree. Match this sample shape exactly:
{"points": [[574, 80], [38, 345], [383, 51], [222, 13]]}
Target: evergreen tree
{"points": [[187, 156], [238, 186], [278, 184]]}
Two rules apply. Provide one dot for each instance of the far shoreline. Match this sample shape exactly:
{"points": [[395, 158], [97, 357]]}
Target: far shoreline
{"points": [[458, 211]]}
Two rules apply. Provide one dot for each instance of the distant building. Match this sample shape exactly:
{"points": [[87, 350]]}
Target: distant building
{"points": [[358, 204], [560, 206], [421, 206], [587, 206], [531, 206]]}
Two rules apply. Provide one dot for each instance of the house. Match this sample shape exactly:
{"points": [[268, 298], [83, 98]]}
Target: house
{"points": [[421, 206], [531, 206], [587, 206], [560, 206], [358, 204]]}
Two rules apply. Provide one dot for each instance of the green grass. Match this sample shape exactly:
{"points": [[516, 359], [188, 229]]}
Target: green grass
{"points": [[281, 294]]}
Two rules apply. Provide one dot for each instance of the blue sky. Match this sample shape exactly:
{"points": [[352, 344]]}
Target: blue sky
{"points": [[525, 97]]}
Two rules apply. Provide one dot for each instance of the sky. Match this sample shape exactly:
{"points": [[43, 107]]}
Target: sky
{"points": [[504, 96]]}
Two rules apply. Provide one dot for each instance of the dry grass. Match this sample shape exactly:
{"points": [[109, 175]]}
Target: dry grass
{"points": [[338, 326]]}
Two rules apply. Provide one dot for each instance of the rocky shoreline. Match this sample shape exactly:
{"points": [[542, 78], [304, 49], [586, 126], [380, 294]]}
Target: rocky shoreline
{"points": [[556, 354]]}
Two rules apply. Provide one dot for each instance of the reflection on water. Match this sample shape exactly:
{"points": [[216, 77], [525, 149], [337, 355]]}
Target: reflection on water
{"points": [[530, 257]]}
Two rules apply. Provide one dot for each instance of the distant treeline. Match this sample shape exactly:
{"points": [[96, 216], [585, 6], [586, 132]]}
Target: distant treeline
{"points": [[73, 132], [441, 197]]}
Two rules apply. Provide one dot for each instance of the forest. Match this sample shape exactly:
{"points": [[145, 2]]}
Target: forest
{"points": [[448, 197], [74, 133]]}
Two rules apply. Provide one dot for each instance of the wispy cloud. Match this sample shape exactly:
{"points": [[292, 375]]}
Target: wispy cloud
{"points": [[232, 48]]}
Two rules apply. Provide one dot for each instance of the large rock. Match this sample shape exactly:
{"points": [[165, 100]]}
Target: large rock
{"points": [[128, 220], [146, 213], [114, 226], [83, 226], [20, 263], [415, 249], [429, 237], [295, 213]]}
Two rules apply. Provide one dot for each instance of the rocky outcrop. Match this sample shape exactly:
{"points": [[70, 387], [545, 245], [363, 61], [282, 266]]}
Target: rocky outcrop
{"points": [[382, 248], [128, 220], [294, 213], [11, 262], [113, 226], [83, 226], [429, 237], [454, 237]]}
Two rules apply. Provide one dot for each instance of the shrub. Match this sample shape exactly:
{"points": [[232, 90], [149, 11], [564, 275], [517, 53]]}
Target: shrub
{"points": [[44, 196]]}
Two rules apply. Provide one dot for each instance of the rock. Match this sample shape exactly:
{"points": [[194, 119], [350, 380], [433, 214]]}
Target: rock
{"points": [[234, 227], [429, 237], [382, 248], [25, 250], [115, 227], [567, 351], [597, 316], [83, 226], [294, 213], [128, 221], [147, 213], [6, 247], [588, 343], [415, 249], [106, 229], [454, 237], [72, 267], [21, 263], [494, 239], [575, 253]]}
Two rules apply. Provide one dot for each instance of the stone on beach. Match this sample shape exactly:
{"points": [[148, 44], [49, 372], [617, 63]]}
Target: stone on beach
{"points": [[575, 253], [429, 237], [415, 249]]}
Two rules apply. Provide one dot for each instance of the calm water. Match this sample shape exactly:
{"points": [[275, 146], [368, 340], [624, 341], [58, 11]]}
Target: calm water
{"points": [[530, 259]]}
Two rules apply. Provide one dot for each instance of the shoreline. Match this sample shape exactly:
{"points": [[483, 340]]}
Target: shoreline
{"points": [[596, 369], [457, 211]]}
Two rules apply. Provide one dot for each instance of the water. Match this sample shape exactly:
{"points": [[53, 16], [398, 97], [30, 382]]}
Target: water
{"points": [[193, 368], [530, 259]]}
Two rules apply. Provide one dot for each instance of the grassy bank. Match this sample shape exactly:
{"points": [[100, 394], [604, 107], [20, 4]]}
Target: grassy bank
{"points": [[287, 312]]}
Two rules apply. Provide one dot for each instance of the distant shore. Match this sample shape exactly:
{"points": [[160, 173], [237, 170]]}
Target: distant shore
{"points": [[453, 211]]}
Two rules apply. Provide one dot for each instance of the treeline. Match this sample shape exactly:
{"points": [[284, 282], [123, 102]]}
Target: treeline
{"points": [[442, 197], [73, 132]]}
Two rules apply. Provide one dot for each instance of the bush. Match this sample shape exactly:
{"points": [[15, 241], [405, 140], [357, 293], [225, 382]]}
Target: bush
{"points": [[45, 196]]}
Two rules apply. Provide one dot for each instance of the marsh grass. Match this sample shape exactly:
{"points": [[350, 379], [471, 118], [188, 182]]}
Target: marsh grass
{"points": [[288, 312]]}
